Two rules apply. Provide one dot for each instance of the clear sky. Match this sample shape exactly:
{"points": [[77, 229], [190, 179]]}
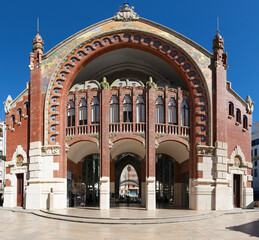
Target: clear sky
{"points": [[197, 20]]}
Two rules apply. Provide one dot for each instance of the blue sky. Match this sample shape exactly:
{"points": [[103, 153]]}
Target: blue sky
{"points": [[196, 20]]}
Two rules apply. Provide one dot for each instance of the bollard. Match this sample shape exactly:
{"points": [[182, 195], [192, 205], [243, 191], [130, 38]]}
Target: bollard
{"points": [[51, 200]]}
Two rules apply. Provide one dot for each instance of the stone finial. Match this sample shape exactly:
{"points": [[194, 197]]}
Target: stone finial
{"points": [[126, 14], [218, 42], [38, 43], [7, 104], [249, 105], [150, 84], [104, 84]]}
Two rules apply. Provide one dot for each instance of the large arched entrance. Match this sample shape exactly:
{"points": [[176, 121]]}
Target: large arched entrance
{"points": [[127, 179], [156, 74]]}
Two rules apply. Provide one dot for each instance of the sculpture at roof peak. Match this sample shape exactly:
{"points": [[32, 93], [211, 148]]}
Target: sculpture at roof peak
{"points": [[126, 14]]}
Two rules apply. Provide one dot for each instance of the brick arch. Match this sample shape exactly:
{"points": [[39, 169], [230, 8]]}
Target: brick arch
{"points": [[173, 55], [128, 136], [81, 139], [173, 138]]}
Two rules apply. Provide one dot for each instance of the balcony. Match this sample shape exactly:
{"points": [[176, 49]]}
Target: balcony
{"points": [[128, 127]]}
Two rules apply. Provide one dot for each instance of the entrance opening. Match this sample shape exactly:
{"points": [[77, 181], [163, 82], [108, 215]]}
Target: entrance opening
{"points": [[127, 180], [19, 190], [164, 180], [236, 190], [84, 184], [129, 185]]}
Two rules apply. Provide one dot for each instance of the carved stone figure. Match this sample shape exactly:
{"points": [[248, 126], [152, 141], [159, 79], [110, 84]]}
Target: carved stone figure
{"points": [[126, 14], [150, 83], [104, 84], [249, 105], [7, 104]]}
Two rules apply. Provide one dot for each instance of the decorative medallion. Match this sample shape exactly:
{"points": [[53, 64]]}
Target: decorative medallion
{"points": [[129, 168], [237, 162], [19, 160], [126, 14]]}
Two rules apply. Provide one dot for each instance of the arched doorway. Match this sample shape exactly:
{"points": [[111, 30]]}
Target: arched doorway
{"points": [[83, 182], [165, 178], [127, 179], [172, 182]]}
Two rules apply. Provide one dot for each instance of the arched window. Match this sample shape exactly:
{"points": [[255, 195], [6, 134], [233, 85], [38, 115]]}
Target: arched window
{"points": [[238, 115], [160, 110], [12, 121], [184, 113], [71, 114], [83, 112], [172, 112], [140, 109], [230, 109], [26, 106], [127, 109], [114, 110], [19, 112], [95, 110], [245, 122]]}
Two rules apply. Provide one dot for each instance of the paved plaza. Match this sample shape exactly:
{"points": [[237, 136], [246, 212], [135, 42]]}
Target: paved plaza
{"points": [[23, 225]]}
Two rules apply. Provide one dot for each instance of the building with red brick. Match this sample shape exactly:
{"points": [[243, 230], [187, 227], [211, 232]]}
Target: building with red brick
{"points": [[128, 91]]}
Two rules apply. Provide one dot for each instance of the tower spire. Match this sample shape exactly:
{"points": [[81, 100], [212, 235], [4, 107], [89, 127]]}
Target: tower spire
{"points": [[38, 25], [37, 48]]}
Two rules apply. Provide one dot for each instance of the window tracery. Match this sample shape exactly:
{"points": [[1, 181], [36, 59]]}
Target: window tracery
{"points": [[184, 113], [160, 110]]}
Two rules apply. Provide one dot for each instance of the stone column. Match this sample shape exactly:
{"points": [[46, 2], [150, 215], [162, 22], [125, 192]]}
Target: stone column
{"points": [[150, 150], [104, 150]]}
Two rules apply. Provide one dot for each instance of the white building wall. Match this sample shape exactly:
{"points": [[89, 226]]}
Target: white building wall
{"points": [[255, 158], [2, 153]]}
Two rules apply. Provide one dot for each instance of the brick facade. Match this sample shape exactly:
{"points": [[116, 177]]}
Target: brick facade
{"points": [[206, 145]]}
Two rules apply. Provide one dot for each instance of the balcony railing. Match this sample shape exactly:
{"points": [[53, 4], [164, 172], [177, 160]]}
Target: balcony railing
{"points": [[70, 131], [114, 127], [129, 127], [82, 130]]}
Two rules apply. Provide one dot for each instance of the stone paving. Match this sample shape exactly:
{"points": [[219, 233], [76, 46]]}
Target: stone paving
{"points": [[22, 225]]}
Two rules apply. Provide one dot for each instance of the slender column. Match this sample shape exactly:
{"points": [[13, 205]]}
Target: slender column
{"points": [[179, 103], [134, 98], [104, 151], [166, 108], [120, 106], [150, 150], [76, 111], [89, 117]]}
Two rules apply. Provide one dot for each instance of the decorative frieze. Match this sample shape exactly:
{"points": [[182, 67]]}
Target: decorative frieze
{"points": [[50, 150], [203, 150]]}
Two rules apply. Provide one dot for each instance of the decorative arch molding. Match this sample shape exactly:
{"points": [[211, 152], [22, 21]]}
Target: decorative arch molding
{"points": [[128, 136], [237, 152], [19, 151], [173, 138], [81, 139], [71, 65]]}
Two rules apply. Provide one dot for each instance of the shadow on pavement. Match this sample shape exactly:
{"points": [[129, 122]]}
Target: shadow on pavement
{"points": [[251, 228]]}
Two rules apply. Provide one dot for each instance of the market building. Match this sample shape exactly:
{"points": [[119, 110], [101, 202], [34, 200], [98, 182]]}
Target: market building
{"points": [[129, 91]]}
